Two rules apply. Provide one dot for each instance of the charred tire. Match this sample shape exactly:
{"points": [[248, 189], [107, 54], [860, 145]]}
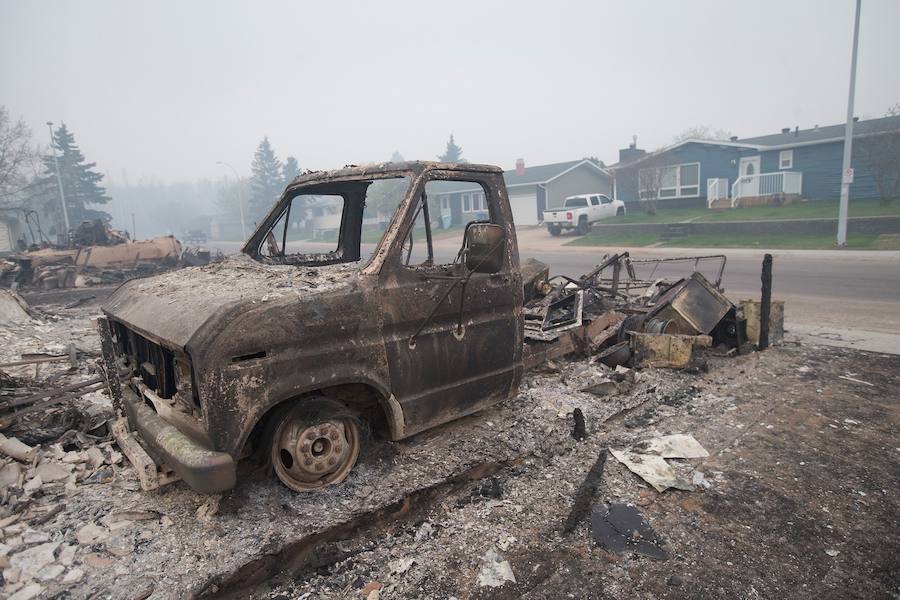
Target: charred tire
{"points": [[583, 228], [554, 230], [315, 444], [620, 212]]}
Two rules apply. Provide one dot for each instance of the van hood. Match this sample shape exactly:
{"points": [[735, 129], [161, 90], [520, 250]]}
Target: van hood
{"points": [[171, 307]]}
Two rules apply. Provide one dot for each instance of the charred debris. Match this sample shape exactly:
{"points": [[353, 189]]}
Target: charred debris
{"points": [[95, 254], [629, 315]]}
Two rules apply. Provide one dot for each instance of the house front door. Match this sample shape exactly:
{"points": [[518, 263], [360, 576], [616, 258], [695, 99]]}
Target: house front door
{"points": [[749, 176]]}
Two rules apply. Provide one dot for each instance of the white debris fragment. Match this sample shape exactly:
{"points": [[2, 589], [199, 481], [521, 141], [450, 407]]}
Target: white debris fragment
{"points": [[50, 572], [678, 445], [401, 565], [33, 484], [855, 380], [16, 449], [12, 308], [32, 560], [33, 536], [95, 457], [91, 534], [832, 553], [50, 472], [67, 554], [495, 570], [653, 469], [699, 480], [12, 574], [10, 474], [73, 576], [73, 457], [28, 592]]}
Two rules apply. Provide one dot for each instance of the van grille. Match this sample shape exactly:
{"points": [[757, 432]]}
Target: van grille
{"points": [[148, 360]]}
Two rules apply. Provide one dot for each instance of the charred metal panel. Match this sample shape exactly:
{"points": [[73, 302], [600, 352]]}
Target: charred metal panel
{"points": [[440, 371], [309, 342]]}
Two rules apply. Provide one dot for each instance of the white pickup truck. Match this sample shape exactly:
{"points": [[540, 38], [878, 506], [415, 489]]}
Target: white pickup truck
{"points": [[578, 212]]}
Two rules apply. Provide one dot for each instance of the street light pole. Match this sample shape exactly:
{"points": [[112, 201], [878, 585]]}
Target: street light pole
{"points": [[846, 172], [240, 195], [62, 194]]}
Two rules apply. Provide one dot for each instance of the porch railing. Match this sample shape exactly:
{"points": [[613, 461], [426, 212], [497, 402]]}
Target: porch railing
{"points": [[716, 189], [766, 184]]}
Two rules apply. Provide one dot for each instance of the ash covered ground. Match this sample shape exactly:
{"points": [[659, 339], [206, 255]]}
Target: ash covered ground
{"points": [[797, 497]]}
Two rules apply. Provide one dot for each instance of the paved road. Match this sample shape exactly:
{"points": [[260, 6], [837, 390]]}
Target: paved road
{"points": [[834, 296]]}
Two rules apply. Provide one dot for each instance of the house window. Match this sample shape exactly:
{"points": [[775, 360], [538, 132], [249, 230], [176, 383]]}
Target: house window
{"points": [[474, 202], [673, 181], [445, 202], [786, 159]]}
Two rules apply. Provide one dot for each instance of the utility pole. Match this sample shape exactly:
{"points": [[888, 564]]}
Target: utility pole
{"points": [[239, 194], [62, 194], [846, 171]]}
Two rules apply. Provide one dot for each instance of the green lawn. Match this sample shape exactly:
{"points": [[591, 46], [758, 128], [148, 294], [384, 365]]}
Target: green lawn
{"points": [[797, 242], [635, 215], [799, 210], [615, 239]]}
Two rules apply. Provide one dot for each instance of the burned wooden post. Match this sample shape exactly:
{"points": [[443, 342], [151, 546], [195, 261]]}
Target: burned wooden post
{"points": [[765, 303]]}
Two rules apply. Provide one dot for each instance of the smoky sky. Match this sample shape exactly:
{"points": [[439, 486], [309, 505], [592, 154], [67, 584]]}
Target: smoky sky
{"points": [[165, 89]]}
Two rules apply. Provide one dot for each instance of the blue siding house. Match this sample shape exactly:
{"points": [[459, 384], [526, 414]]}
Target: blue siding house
{"points": [[803, 163]]}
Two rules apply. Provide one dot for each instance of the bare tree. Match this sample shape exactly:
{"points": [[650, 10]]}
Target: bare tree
{"points": [[880, 155], [17, 155], [650, 179], [702, 132]]}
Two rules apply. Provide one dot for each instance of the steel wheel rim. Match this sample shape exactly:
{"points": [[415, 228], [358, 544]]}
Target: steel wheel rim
{"points": [[310, 455]]}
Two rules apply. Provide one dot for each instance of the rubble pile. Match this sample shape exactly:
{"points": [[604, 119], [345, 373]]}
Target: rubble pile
{"points": [[95, 255], [53, 440], [629, 320], [73, 518]]}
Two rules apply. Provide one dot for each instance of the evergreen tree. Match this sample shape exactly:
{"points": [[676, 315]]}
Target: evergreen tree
{"points": [[397, 157], [80, 182], [453, 153], [266, 179], [290, 170]]}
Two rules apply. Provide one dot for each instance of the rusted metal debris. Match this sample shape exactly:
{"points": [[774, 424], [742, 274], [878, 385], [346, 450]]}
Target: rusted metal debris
{"points": [[95, 255], [652, 323]]}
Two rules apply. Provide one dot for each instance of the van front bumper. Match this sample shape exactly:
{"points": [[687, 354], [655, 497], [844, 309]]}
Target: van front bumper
{"points": [[206, 471]]}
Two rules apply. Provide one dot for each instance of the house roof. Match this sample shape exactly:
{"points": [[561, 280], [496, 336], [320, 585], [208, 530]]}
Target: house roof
{"points": [[544, 173], [776, 141], [821, 134], [535, 175], [656, 153]]}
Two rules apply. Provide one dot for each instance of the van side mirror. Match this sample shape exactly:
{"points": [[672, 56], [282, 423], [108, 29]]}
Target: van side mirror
{"points": [[485, 247]]}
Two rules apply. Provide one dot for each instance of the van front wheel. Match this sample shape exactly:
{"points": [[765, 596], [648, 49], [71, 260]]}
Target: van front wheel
{"points": [[315, 446]]}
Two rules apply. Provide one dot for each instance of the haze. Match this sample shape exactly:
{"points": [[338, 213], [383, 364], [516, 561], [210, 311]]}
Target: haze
{"points": [[163, 90]]}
